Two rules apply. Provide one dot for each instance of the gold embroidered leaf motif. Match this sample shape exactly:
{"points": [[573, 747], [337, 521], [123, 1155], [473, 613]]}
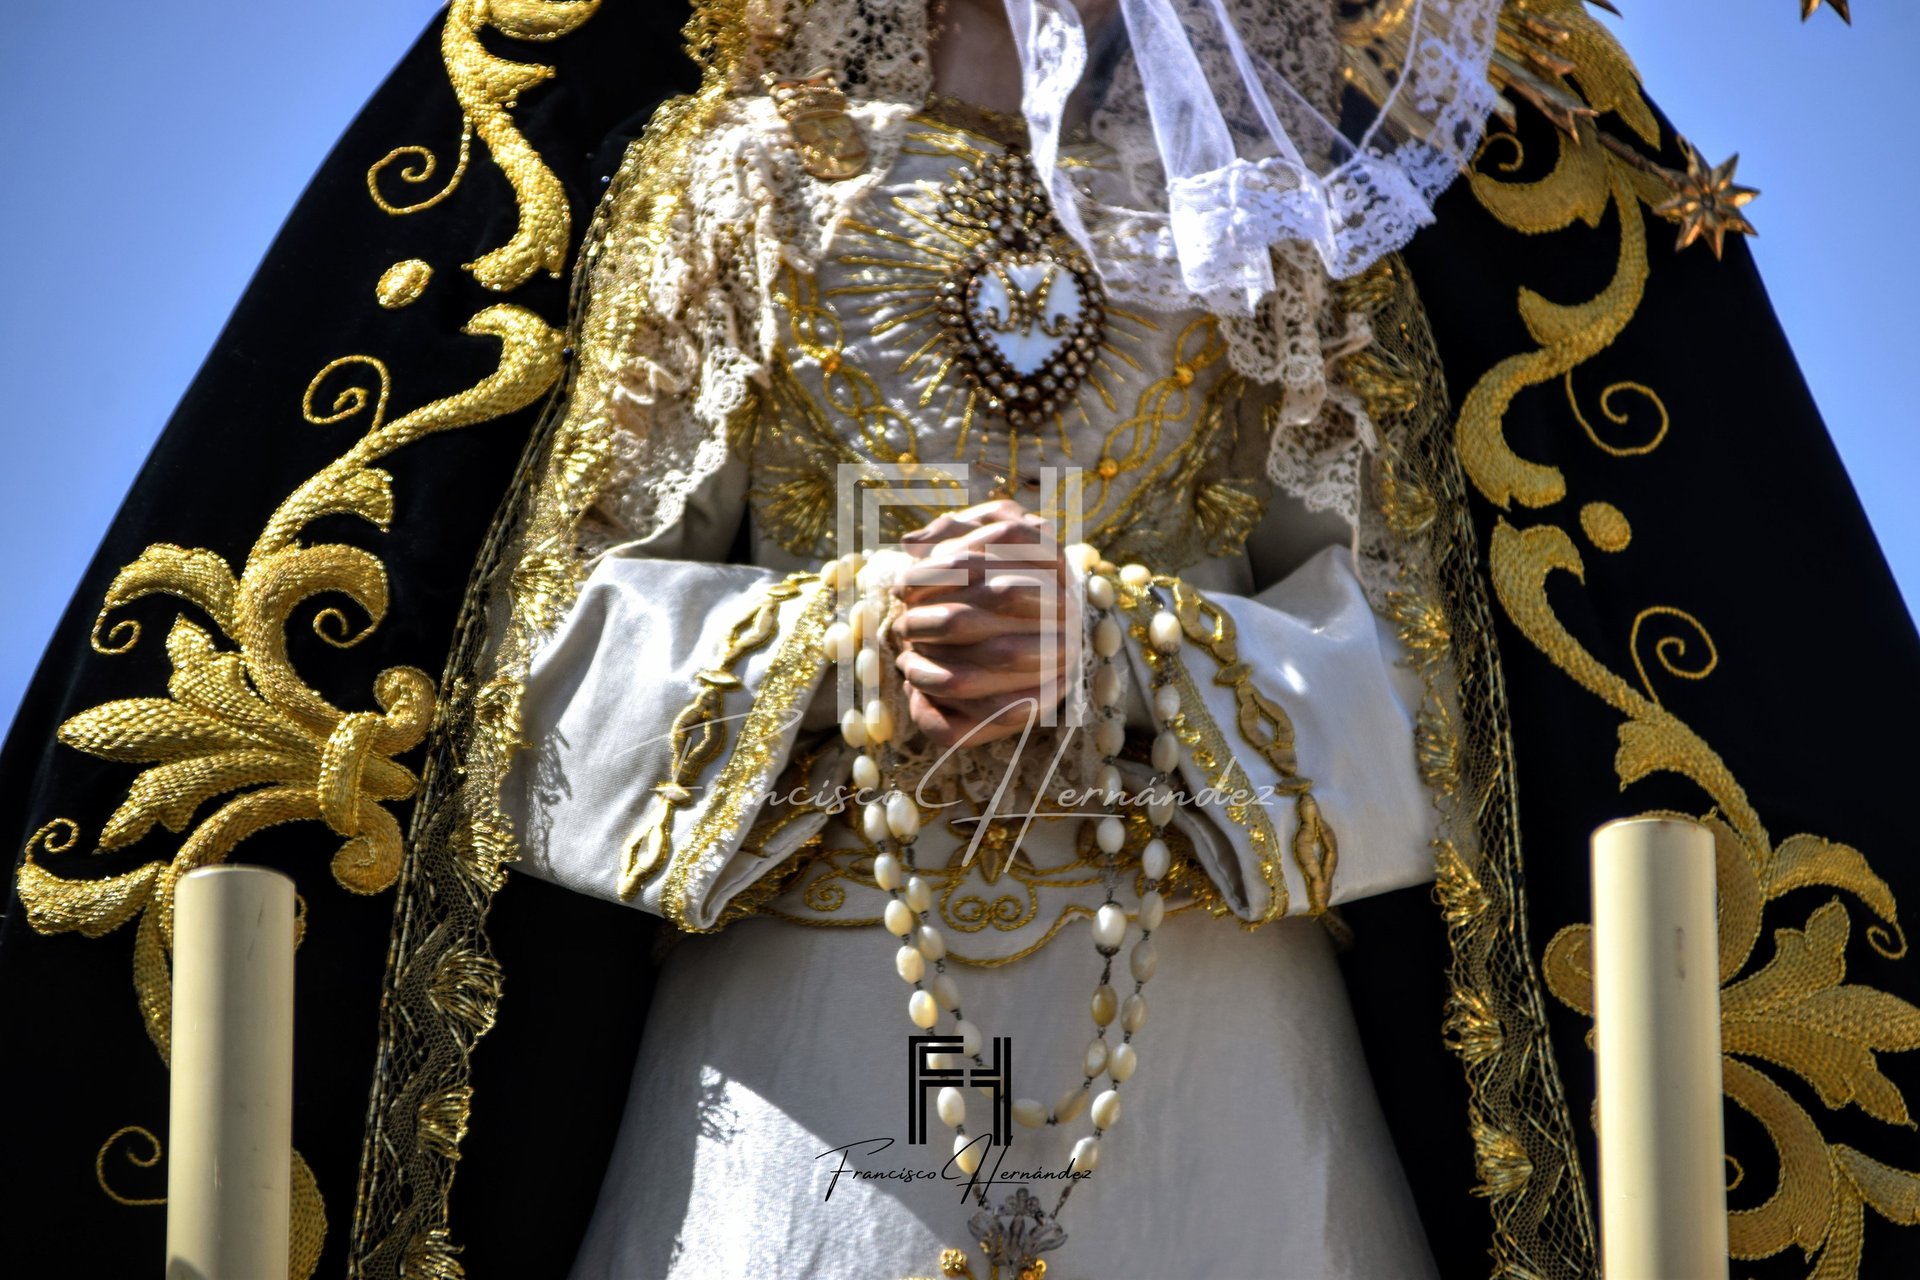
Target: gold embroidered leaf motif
{"points": [[1798, 1211], [93, 908], [1805, 860], [1794, 1013], [1500, 1159], [1227, 514], [200, 577]]}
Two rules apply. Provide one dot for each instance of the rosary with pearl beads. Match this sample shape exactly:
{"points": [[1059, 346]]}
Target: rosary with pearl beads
{"points": [[1014, 1233]]}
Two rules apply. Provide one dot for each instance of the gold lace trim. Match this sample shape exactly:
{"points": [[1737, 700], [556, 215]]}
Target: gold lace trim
{"points": [[1495, 1021]]}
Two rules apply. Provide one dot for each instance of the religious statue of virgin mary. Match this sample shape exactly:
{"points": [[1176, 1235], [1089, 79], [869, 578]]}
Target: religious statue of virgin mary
{"points": [[979, 638]]}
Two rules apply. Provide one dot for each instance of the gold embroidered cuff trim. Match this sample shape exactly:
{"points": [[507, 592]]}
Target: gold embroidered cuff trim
{"points": [[699, 736], [793, 671]]}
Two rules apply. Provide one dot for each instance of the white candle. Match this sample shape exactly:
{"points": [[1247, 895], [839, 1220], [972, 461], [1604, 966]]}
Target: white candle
{"points": [[1656, 995], [229, 1167]]}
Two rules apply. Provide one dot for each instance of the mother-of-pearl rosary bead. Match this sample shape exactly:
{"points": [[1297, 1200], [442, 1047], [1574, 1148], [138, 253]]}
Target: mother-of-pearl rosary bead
{"points": [[886, 869], [1071, 1104], [966, 1152], [1136, 575], [1106, 1109], [953, 1106], [903, 818], [1153, 908], [837, 642], [919, 894], [1082, 555], [1133, 1013], [873, 821], [879, 721], [1142, 960], [1086, 1155], [911, 964], [835, 572], [866, 668], [1106, 1004], [1166, 701], [1166, 752], [945, 991], [932, 943], [861, 619], [1107, 688], [1029, 1114], [1163, 632], [1109, 736], [1122, 1063], [866, 773], [969, 1037], [1107, 638], [1095, 1059], [1156, 858], [1110, 788], [1109, 928], [1110, 833], [1100, 592], [853, 727], [1160, 806], [922, 1009], [899, 918]]}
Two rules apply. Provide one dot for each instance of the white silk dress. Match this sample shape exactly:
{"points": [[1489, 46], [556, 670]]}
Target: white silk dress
{"points": [[1251, 1142]]}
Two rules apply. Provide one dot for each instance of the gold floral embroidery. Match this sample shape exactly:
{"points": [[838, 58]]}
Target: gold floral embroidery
{"points": [[243, 720], [1792, 1012]]}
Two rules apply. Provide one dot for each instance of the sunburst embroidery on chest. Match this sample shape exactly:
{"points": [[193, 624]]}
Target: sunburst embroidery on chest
{"points": [[994, 306]]}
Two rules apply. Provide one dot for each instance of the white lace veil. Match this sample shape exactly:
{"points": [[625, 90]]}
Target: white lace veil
{"points": [[1225, 117]]}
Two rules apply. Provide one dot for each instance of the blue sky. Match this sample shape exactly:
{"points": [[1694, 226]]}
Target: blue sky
{"points": [[155, 149]]}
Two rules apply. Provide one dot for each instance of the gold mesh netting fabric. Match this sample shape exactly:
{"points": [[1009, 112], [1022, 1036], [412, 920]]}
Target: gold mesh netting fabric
{"points": [[1421, 558]]}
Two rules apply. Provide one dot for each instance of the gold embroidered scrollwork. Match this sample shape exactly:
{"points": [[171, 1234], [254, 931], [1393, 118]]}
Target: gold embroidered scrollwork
{"points": [[488, 87], [241, 722], [1794, 1012]]}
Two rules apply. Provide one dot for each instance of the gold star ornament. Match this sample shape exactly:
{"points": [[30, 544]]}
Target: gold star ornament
{"points": [[1706, 202], [1842, 7]]}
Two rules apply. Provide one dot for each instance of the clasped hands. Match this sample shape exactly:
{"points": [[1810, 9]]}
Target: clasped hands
{"points": [[981, 646]]}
